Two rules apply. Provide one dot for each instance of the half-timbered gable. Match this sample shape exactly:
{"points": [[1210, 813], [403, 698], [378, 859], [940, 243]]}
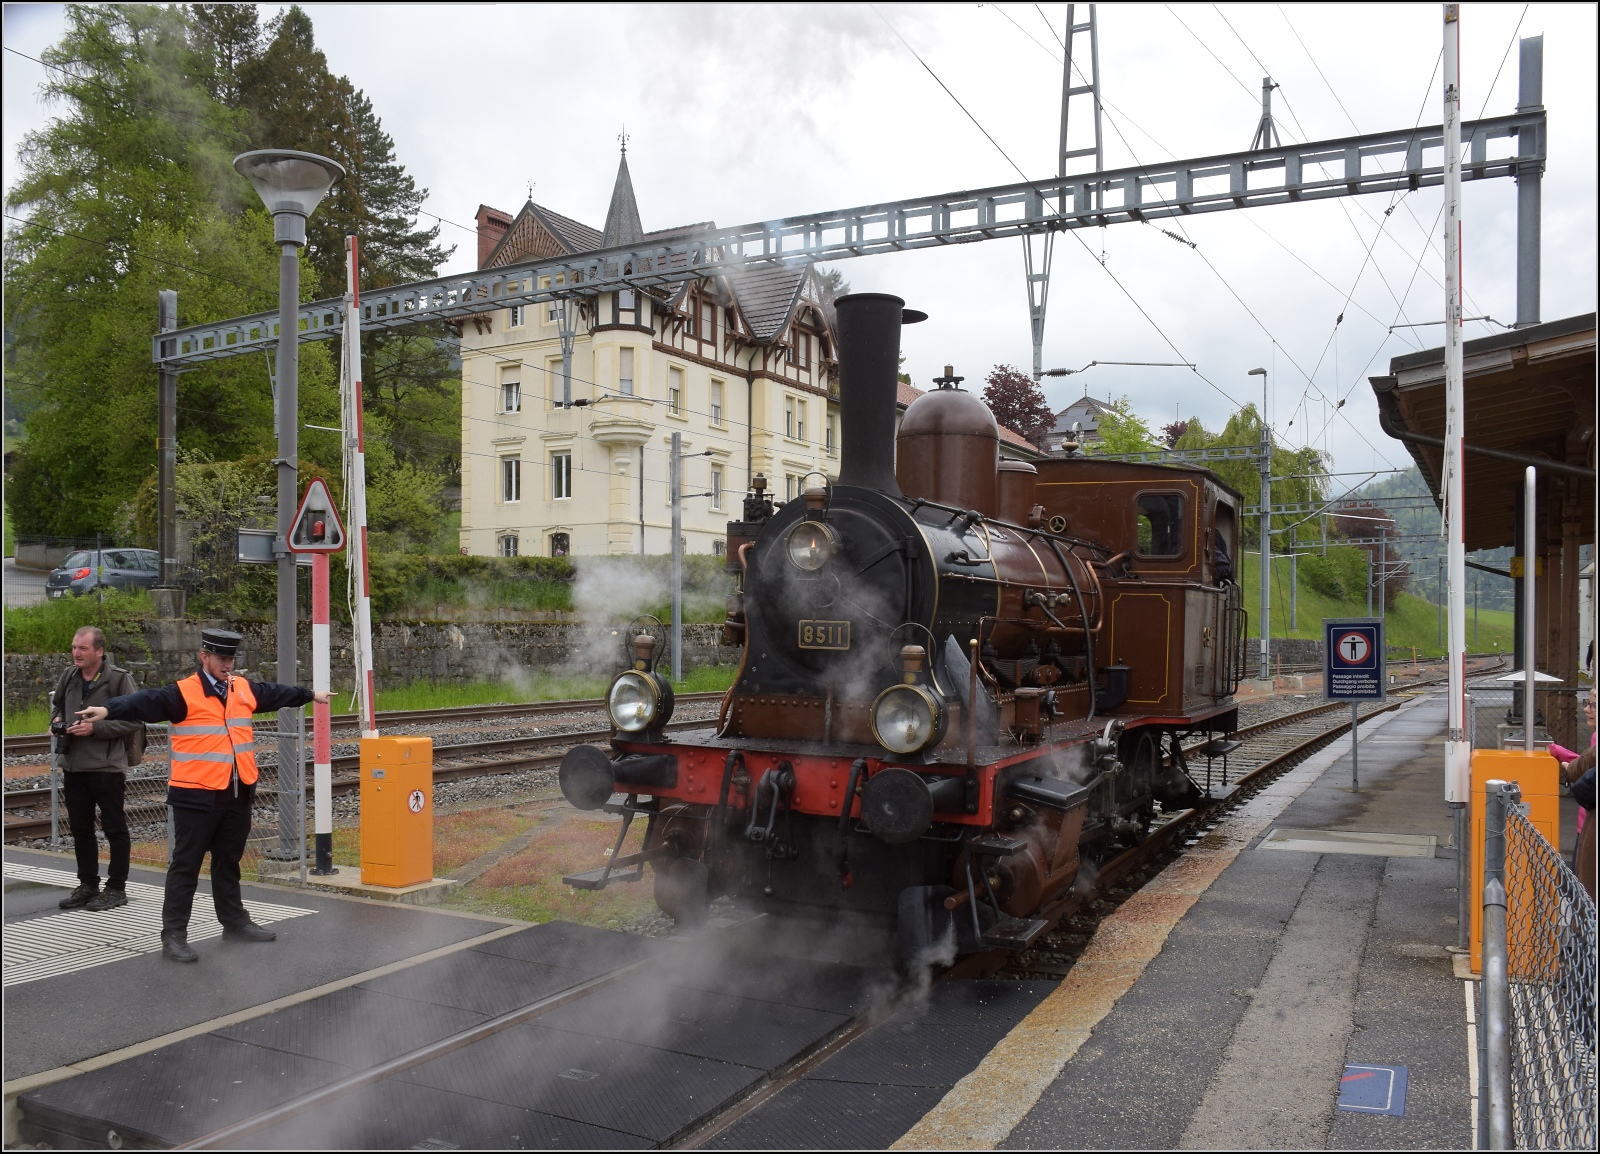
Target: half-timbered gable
{"points": [[742, 367]]}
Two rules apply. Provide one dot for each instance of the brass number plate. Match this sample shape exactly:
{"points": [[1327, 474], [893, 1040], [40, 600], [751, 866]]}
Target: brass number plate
{"points": [[824, 635]]}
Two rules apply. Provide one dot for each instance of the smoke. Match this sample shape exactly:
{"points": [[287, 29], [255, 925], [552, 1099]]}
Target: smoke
{"points": [[609, 592]]}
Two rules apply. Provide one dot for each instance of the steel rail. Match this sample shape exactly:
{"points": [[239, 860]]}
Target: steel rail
{"points": [[25, 744]]}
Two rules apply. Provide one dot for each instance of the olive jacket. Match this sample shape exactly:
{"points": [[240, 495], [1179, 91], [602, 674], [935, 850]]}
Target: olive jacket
{"points": [[106, 751]]}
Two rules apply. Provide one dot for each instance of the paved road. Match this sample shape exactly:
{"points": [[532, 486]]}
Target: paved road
{"points": [[23, 586]]}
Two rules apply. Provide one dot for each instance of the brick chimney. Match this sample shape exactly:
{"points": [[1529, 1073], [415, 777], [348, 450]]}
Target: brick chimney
{"points": [[492, 225]]}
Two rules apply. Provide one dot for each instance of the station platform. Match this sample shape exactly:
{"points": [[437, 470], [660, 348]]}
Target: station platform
{"points": [[1298, 956], [1298, 950]]}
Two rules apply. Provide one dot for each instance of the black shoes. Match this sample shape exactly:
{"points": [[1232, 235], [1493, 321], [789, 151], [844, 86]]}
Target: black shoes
{"points": [[247, 932], [79, 897], [175, 947], [107, 899]]}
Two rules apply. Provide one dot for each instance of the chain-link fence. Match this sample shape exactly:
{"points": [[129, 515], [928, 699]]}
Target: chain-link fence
{"points": [[275, 847], [1539, 988], [1494, 714]]}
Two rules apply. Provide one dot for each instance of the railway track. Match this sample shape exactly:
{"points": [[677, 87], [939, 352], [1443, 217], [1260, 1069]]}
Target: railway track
{"points": [[38, 744], [496, 756], [1268, 749]]}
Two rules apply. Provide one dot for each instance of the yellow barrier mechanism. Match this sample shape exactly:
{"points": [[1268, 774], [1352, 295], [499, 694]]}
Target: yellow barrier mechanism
{"points": [[1539, 776], [396, 811]]}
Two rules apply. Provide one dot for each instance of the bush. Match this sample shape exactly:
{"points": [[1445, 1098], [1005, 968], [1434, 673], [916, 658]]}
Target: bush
{"points": [[48, 628], [403, 582], [1341, 574]]}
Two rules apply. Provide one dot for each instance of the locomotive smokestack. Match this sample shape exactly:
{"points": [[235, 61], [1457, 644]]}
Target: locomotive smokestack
{"points": [[869, 375]]}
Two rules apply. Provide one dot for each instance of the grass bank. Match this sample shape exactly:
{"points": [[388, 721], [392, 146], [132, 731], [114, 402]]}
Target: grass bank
{"points": [[1411, 622]]}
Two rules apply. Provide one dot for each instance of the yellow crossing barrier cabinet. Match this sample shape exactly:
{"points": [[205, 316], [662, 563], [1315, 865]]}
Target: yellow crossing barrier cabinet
{"points": [[396, 811]]}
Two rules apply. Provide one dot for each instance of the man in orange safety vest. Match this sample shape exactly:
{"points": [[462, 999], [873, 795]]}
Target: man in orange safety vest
{"points": [[212, 782]]}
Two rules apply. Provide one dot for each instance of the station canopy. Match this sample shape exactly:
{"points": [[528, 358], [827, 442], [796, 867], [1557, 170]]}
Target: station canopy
{"points": [[1530, 391]]}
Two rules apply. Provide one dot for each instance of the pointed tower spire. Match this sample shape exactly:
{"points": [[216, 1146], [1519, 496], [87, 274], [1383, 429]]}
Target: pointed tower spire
{"points": [[622, 218]]}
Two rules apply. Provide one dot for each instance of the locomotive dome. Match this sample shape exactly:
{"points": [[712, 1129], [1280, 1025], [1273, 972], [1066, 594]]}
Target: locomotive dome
{"points": [[948, 448], [949, 411]]}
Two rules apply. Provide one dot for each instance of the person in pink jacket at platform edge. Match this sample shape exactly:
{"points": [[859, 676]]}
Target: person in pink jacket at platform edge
{"points": [[1578, 771]]}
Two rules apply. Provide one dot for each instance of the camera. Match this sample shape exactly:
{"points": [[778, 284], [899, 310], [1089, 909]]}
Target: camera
{"points": [[58, 727]]}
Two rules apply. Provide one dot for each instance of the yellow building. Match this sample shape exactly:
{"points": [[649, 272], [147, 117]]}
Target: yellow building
{"points": [[742, 366]]}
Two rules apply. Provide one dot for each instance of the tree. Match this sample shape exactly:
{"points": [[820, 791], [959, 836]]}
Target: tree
{"points": [[130, 191], [1017, 401], [832, 283], [1171, 434], [1120, 430], [1368, 524]]}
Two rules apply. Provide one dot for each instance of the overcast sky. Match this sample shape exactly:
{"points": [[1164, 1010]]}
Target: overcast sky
{"points": [[739, 114]]}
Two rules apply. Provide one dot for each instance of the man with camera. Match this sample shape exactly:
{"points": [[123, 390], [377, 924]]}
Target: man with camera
{"points": [[212, 783], [94, 757]]}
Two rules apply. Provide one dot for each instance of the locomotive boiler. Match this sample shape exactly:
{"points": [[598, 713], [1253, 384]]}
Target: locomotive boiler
{"points": [[961, 677]]}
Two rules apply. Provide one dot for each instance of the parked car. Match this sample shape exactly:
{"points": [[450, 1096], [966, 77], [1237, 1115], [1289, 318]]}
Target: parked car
{"points": [[84, 571]]}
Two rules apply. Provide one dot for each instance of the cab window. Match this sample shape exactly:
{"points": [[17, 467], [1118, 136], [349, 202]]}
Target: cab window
{"points": [[1160, 525]]}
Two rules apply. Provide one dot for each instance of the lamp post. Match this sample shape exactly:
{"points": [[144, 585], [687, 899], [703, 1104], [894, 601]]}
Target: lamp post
{"points": [[291, 185], [1265, 462]]}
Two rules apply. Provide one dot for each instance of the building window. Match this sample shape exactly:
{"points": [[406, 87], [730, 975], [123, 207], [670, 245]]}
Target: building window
{"points": [[517, 313], [708, 324], [627, 307], [625, 372], [719, 548], [560, 476], [560, 545], [508, 545], [511, 391], [510, 479], [800, 421], [675, 391], [716, 487], [829, 435], [716, 402], [553, 371], [805, 350], [788, 417]]}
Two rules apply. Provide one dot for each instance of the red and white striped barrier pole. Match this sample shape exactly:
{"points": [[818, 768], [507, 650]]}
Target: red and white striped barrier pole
{"points": [[322, 737], [356, 491]]}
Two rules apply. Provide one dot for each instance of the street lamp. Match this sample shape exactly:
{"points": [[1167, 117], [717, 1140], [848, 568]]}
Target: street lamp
{"points": [[1265, 461], [291, 185]]}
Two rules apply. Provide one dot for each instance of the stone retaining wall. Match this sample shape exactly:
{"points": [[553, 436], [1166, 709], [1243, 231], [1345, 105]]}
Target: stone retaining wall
{"points": [[402, 652]]}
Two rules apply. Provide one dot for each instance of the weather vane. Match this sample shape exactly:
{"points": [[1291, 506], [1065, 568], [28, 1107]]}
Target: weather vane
{"points": [[623, 138], [531, 185]]}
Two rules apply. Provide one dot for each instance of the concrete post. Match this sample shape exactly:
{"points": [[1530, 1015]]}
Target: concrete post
{"points": [[675, 482]]}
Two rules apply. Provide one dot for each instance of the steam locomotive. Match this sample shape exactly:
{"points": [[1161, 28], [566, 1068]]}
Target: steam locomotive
{"points": [[962, 677]]}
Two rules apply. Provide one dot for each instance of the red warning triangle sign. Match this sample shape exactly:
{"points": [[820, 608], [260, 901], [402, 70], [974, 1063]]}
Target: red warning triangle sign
{"points": [[316, 528]]}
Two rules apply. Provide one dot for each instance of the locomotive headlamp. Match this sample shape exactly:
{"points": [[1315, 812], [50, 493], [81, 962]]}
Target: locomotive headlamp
{"points": [[633, 701], [640, 699], [810, 544], [907, 718]]}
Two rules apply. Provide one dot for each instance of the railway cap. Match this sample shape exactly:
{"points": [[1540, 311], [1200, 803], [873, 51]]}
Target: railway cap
{"points": [[222, 642]]}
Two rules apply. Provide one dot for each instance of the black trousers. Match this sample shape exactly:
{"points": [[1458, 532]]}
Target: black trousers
{"points": [[222, 832], [84, 790]]}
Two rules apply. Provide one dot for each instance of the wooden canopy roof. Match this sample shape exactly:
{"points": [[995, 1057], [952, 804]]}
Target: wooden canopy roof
{"points": [[1529, 391]]}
